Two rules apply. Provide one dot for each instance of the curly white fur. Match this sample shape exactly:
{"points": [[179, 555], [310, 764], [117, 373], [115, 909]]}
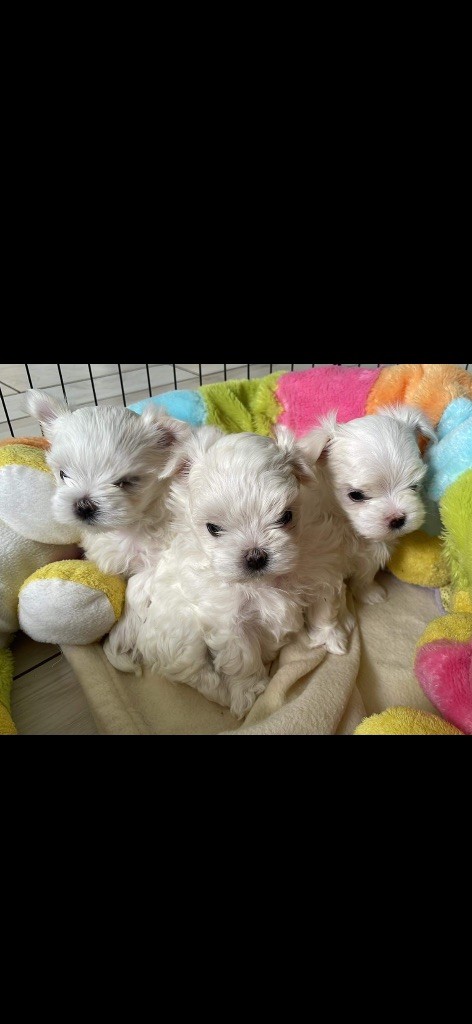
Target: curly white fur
{"points": [[370, 473], [203, 616], [119, 463]]}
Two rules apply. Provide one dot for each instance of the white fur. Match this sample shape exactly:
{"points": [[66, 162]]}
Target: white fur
{"points": [[378, 456], [202, 617], [97, 448]]}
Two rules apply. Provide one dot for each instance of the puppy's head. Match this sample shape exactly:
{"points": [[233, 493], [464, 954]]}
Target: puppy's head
{"points": [[108, 461], [375, 469], [241, 498]]}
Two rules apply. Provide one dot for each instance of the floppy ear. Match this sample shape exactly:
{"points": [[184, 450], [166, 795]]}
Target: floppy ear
{"points": [[296, 455], [316, 443], [166, 430], [46, 409], [188, 448], [204, 437], [167, 434], [201, 439], [412, 417]]}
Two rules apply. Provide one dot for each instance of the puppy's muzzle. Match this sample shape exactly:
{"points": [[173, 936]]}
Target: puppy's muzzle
{"points": [[86, 509], [257, 559]]}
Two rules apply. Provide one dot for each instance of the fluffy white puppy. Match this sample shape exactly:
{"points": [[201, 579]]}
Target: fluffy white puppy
{"points": [[112, 470], [370, 473], [232, 587]]}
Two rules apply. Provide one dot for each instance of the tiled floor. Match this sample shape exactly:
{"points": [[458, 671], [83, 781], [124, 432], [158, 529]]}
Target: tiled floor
{"points": [[46, 696]]}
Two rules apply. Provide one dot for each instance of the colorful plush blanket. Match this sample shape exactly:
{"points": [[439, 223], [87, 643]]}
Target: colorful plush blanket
{"points": [[69, 603], [439, 555]]}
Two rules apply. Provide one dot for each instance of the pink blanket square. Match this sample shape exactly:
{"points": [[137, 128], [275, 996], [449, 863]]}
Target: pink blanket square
{"points": [[309, 394]]}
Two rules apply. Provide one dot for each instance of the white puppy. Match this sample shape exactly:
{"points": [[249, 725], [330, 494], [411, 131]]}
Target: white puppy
{"points": [[112, 470], [231, 589], [370, 473]]}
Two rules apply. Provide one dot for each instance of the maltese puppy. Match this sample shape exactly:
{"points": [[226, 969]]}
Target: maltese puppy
{"points": [[112, 471], [231, 588], [370, 473]]}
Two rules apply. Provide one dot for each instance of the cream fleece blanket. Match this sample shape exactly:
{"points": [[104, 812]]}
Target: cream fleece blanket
{"points": [[310, 692]]}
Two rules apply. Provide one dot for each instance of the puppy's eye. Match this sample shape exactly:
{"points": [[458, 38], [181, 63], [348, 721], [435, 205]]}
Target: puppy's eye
{"points": [[214, 530], [126, 482], [63, 475], [285, 519], [415, 487], [357, 496]]}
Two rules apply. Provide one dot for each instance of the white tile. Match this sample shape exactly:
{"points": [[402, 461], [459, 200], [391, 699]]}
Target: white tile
{"points": [[73, 372], [106, 387], [99, 369], [109, 387], [14, 374], [210, 368], [46, 375], [43, 375], [6, 390], [160, 375], [24, 427]]}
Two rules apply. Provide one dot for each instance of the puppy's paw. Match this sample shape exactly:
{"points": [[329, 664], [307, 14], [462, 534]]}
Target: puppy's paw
{"points": [[120, 660], [334, 638], [243, 699], [373, 594], [337, 640], [348, 621]]}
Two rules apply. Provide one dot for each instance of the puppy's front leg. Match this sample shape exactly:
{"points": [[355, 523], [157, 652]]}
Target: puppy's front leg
{"points": [[240, 666], [366, 590], [191, 663], [328, 621], [244, 692], [209, 684], [119, 646], [370, 559]]}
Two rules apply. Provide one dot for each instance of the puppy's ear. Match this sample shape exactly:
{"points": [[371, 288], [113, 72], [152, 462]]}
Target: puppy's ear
{"points": [[203, 438], [168, 435], [297, 456], [46, 409], [198, 442], [164, 429], [316, 443], [412, 417]]}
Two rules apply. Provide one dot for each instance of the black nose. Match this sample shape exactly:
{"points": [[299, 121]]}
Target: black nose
{"points": [[396, 524], [86, 508], [257, 559]]}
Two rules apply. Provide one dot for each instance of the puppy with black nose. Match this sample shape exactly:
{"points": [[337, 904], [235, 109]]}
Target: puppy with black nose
{"points": [[112, 473], [370, 473], [232, 587]]}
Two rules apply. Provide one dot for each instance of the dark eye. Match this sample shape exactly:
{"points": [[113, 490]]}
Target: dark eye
{"points": [[357, 496], [285, 519], [63, 475], [126, 482], [214, 530], [415, 487]]}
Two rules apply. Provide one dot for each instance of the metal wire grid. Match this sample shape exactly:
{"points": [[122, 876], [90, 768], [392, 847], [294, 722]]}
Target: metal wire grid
{"points": [[148, 375]]}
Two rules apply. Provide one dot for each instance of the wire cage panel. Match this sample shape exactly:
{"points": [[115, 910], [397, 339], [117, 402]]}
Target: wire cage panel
{"points": [[116, 383]]}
